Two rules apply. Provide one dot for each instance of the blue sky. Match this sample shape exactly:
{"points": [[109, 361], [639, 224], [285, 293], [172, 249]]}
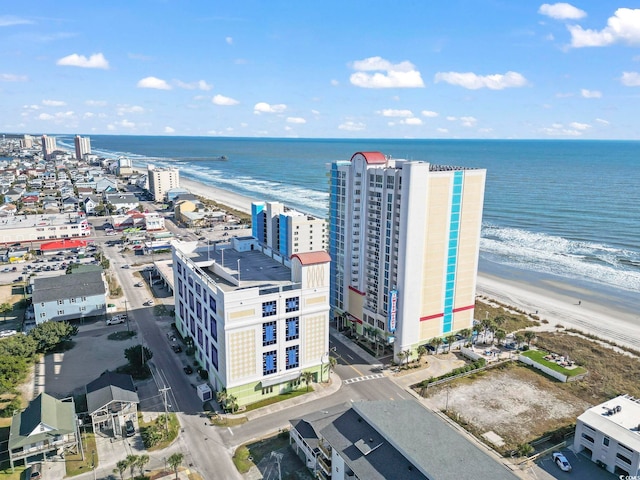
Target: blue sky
{"points": [[350, 68]]}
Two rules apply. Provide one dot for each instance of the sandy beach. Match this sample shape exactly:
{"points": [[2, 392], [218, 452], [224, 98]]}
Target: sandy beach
{"points": [[556, 302]]}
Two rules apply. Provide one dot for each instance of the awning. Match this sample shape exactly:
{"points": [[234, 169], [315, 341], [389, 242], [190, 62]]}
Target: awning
{"points": [[268, 382]]}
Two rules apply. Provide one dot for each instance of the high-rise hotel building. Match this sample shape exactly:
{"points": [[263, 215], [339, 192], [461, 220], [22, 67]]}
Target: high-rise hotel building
{"points": [[48, 146], [161, 180], [287, 231], [83, 145], [404, 241]]}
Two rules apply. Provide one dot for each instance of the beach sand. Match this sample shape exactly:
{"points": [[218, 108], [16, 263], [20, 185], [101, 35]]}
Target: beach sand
{"points": [[585, 309]]}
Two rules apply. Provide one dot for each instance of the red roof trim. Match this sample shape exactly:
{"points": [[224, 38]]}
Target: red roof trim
{"points": [[312, 258], [356, 290], [372, 157], [455, 310]]}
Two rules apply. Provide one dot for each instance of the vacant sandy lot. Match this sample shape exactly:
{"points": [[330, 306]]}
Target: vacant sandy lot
{"points": [[513, 402]]}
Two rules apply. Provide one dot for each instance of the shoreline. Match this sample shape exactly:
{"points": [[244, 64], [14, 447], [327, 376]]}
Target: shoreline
{"points": [[555, 300]]}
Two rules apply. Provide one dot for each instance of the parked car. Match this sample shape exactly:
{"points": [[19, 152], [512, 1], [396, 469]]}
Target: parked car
{"points": [[139, 284], [176, 348], [149, 303], [34, 472], [129, 428], [125, 266], [115, 320], [562, 462], [188, 370]]}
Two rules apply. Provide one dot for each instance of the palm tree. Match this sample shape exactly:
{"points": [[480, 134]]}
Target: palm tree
{"points": [[231, 403], [519, 339], [401, 356], [222, 396], [530, 336], [131, 463], [407, 355], [500, 335], [450, 340], [421, 351], [435, 342], [141, 462], [333, 361], [485, 325], [466, 333], [121, 466], [307, 377], [174, 462], [499, 321]]}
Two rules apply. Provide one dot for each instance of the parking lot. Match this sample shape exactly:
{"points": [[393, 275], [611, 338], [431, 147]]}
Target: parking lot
{"points": [[581, 467]]}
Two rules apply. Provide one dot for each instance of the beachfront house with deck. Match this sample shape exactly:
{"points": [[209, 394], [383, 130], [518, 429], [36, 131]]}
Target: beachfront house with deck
{"points": [[257, 321]]}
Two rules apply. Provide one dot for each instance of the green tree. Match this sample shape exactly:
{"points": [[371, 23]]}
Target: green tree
{"points": [[121, 467], [333, 361], [486, 326], [134, 355], [131, 464], [421, 351], [141, 462], [435, 343], [407, 355], [519, 339], [232, 403], [466, 333], [18, 346], [529, 336], [13, 371], [524, 449], [49, 335], [5, 308], [222, 396], [450, 340], [500, 335], [175, 461], [308, 378], [401, 356]]}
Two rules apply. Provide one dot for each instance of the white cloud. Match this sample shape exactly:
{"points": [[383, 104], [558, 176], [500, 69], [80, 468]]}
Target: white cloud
{"points": [[411, 121], [96, 60], [315, 112], [473, 82], [169, 130], [88, 115], [95, 103], [400, 75], [199, 85], [296, 120], [451, 118], [57, 116], [225, 101], [390, 112], [590, 93], [352, 126], [630, 79], [468, 121], [602, 121], [45, 116], [229, 40], [111, 127], [335, 83], [564, 95], [31, 107], [287, 128], [574, 129], [124, 109], [561, 11], [10, 77], [623, 27], [263, 107], [153, 82], [10, 20], [429, 113], [580, 126], [53, 103], [126, 123], [442, 130]]}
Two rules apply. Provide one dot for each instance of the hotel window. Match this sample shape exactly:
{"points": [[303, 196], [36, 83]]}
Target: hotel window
{"points": [[198, 289], [214, 356], [293, 304], [212, 304], [60, 312], [60, 302], [293, 331], [181, 310], [190, 280], [179, 268], [269, 363], [204, 296], [198, 310], [589, 438], [180, 286], [269, 308], [213, 327], [626, 460], [268, 333], [293, 357], [192, 325], [191, 300], [200, 337], [605, 441]]}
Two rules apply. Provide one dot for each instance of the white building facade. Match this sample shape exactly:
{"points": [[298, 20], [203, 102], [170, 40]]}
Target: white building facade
{"points": [[404, 243], [83, 146], [256, 324], [286, 230], [161, 180], [609, 434], [35, 228]]}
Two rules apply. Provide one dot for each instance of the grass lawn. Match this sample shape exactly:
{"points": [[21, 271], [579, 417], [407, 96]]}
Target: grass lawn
{"points": [[158, 423], [225, 421], [250, 454], [278, 398], [74, 463], [513, 321], [538, 356]]}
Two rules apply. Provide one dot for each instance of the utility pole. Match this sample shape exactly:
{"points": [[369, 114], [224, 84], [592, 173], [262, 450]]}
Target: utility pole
{"points": [[166, 415], [126, 314]]}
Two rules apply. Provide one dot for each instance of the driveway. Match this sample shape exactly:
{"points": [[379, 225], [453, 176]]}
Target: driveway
{"points": [[581, 467]]}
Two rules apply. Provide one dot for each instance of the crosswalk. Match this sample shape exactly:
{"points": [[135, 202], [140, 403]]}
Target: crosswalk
{"points": [[363, 378]]}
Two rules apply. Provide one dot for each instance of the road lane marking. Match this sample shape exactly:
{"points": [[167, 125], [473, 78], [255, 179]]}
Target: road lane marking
{"points": [[349, 356], [230, 431], [362, 378]]}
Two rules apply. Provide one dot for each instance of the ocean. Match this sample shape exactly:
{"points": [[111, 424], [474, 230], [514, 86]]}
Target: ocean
{"points": [[565, 210]]}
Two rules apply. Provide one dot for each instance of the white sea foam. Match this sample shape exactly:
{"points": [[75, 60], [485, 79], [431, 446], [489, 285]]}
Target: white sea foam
{"points": [[560, 256]]}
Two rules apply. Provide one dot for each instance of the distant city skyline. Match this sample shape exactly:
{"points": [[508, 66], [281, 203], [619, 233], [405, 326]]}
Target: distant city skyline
{"points": [[350, 69]]}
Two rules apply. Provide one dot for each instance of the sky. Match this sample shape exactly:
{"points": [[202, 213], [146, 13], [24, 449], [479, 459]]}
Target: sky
{"points": [[329, 69]]}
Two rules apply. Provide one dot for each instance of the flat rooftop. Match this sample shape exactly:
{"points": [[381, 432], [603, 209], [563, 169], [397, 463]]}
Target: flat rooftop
{"points": [[44, 220], [255, 268], [617, 414]]}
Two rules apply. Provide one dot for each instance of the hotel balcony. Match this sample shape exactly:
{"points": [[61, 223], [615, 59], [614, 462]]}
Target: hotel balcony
{"points": [[325, 449], [322, 476], [325, 465]]}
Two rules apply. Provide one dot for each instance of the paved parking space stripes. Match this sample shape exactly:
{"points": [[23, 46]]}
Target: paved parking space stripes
{"points": [[363, 378]]}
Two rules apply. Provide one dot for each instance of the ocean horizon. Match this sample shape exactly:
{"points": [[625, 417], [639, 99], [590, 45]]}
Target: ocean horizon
{"points": [[554, 209]]}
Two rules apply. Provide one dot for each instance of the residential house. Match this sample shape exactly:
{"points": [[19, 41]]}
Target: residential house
{"points": [[46, 427], [122, 202], [111, 401]]}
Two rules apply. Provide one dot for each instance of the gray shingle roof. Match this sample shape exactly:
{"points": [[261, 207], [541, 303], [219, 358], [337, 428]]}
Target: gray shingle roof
{"points": [[110, 387], [75, 285]]}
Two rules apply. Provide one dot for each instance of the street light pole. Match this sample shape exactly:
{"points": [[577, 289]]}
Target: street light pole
{"points": [[126, 314]]}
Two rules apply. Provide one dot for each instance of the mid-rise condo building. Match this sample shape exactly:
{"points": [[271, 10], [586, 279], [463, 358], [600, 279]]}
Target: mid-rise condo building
{"points": [[404, 242], [287, 231], [256, 321], [161, 180], [83, 146], [48, 146]]}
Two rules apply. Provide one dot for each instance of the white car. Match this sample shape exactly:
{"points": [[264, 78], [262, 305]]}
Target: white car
{"points": [[115, 320], [562, 462]]}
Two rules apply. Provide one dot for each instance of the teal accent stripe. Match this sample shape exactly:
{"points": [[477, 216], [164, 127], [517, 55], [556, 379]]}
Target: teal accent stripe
{"points": [[452, 254]]}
